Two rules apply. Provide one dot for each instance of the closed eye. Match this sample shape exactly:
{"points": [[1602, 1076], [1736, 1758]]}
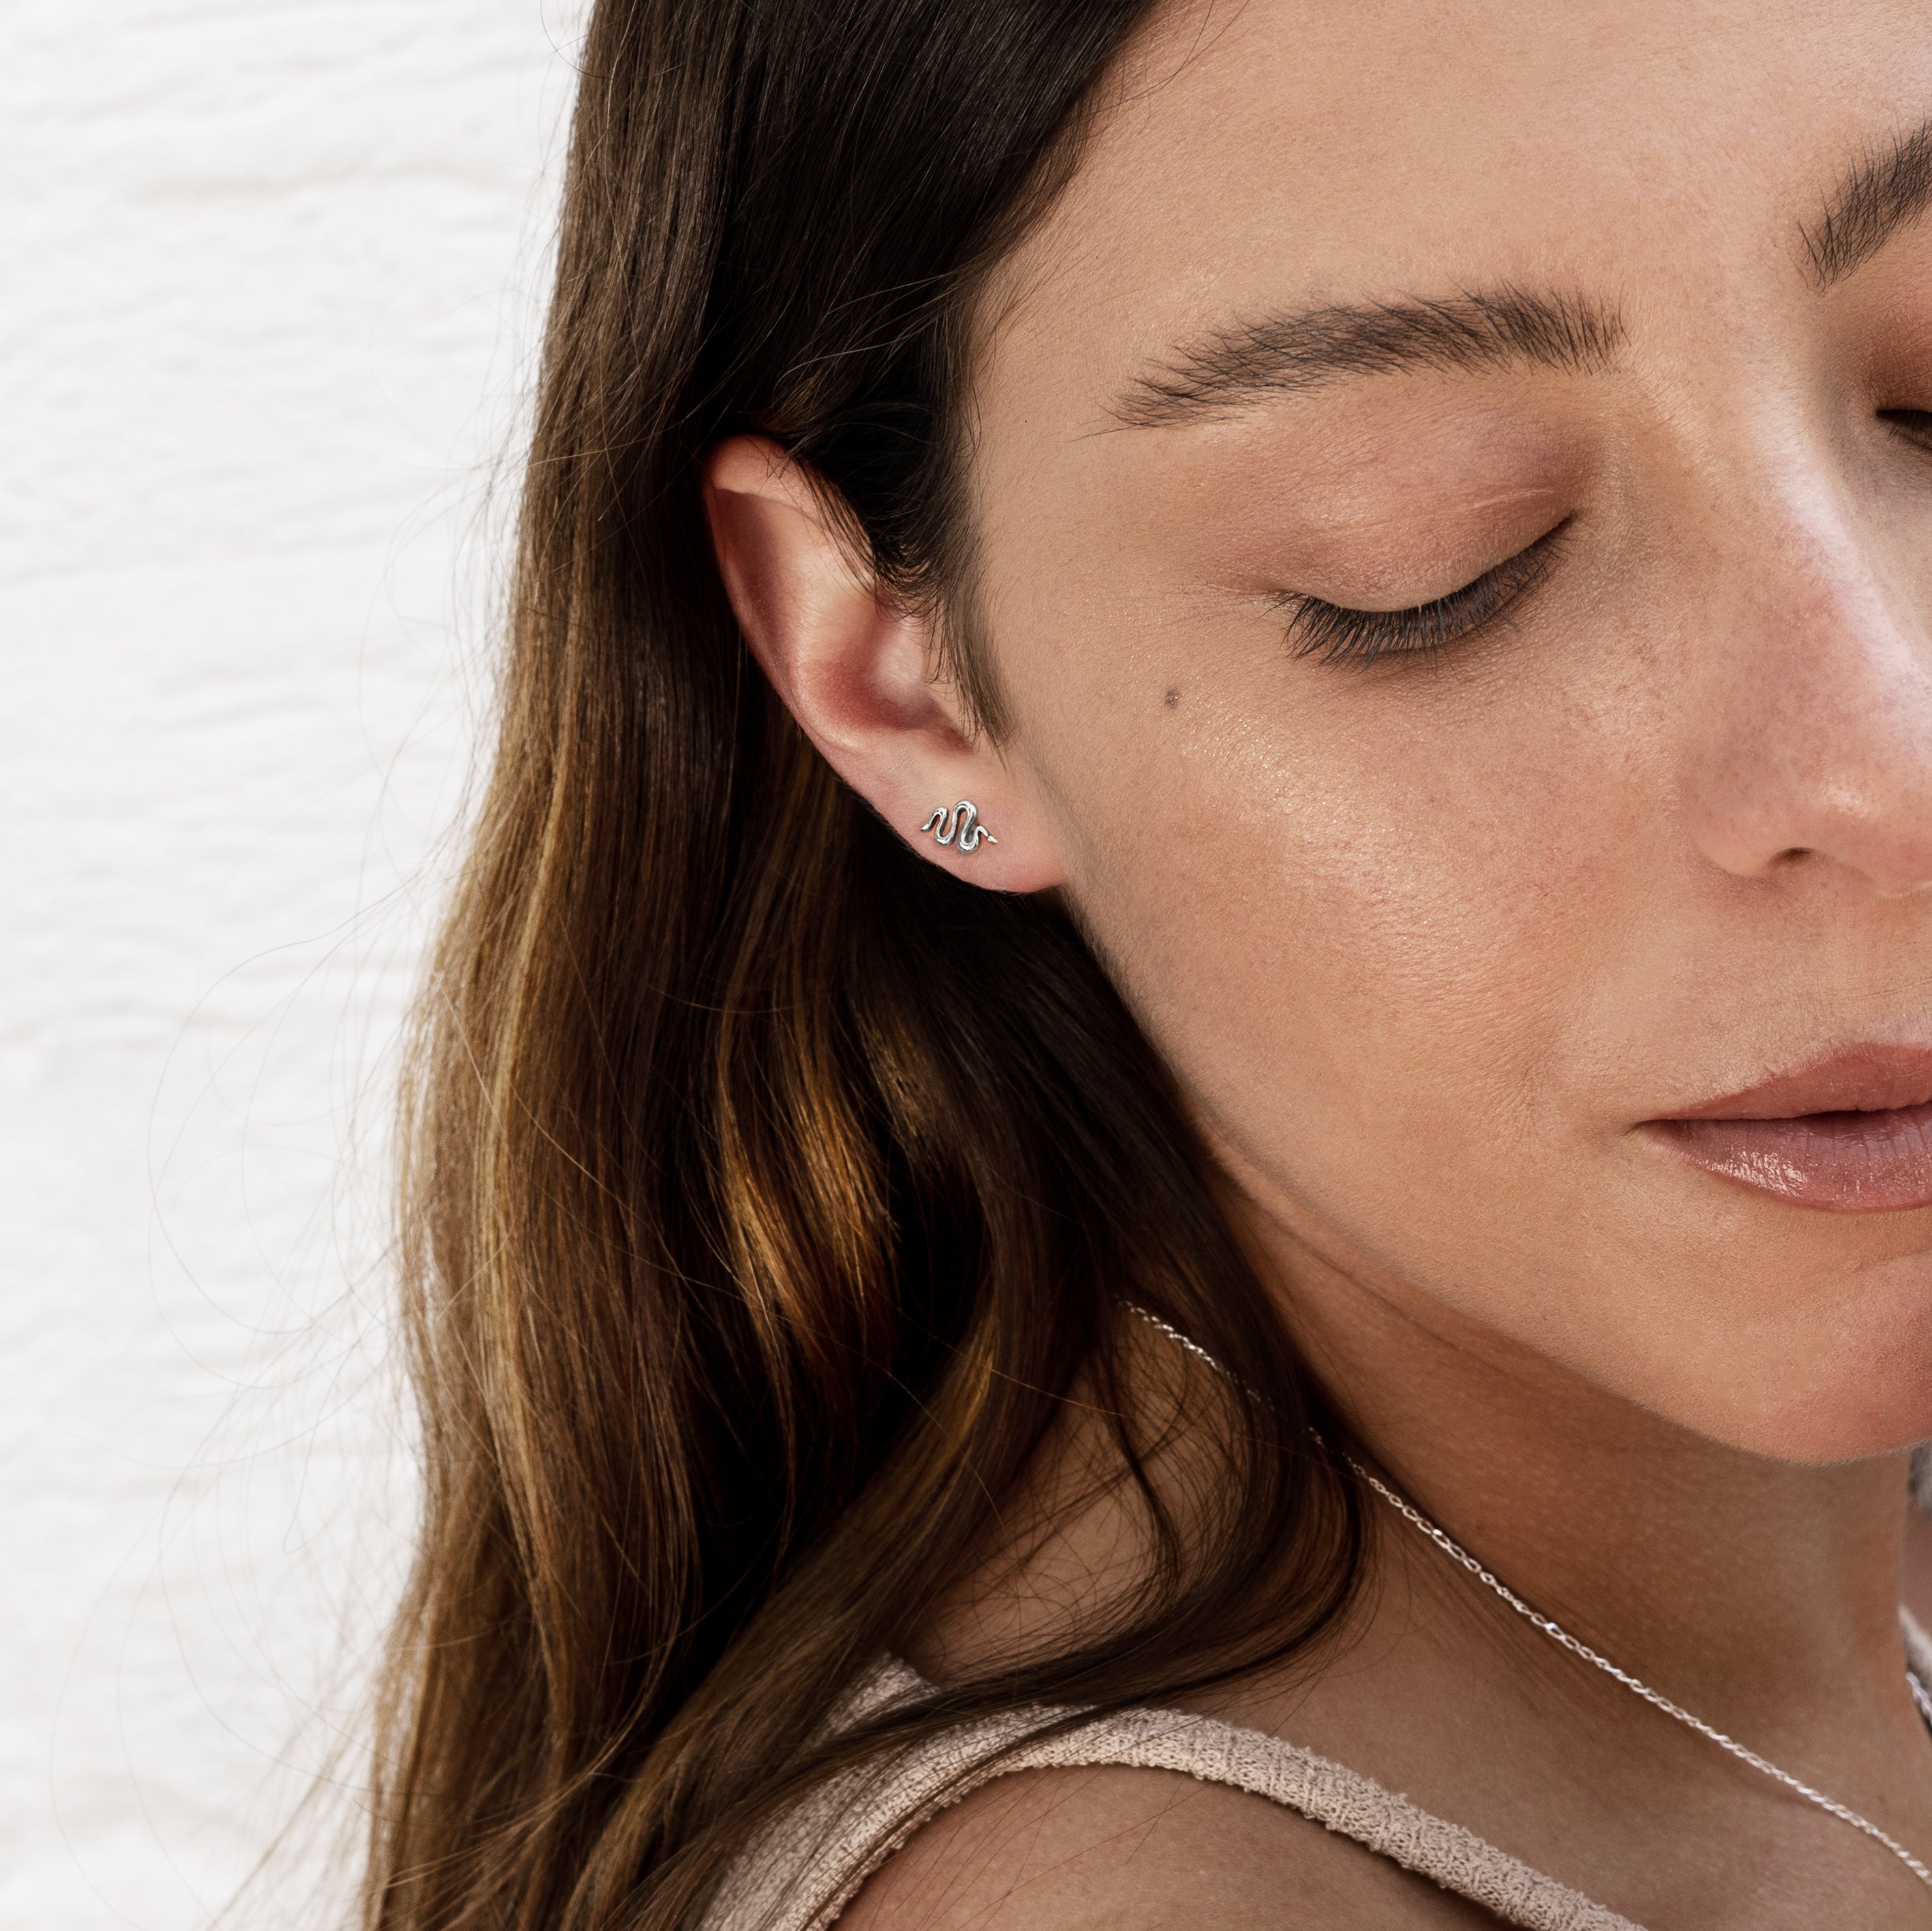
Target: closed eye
{"points": [[1333, 634], [1915, 425]]}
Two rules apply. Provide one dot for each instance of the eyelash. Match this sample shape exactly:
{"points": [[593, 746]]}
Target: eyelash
{"points": [[1914, 425], [1332, 634]]}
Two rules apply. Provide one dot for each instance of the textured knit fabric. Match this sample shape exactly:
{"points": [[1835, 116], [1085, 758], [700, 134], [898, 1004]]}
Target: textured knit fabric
{"points": [[802, 1871]]}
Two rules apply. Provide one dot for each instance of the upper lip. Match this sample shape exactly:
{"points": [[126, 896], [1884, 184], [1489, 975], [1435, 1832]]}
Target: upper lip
{"points": [[1862, 1079]]}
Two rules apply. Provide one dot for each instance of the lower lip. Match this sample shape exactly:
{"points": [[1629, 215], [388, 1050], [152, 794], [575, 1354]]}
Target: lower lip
{"points": [[1837, 1162]]}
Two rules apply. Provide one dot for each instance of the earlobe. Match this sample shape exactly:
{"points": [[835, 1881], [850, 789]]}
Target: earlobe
{"points": [[856, 670]]}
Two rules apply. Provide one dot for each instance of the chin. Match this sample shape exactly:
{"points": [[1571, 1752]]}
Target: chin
{"points": [[1857, 1383]]}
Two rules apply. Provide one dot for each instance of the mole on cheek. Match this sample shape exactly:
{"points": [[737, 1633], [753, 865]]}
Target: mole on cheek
{"points": [[1173, 698]]}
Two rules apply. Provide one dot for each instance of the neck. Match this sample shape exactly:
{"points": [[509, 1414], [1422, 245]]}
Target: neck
{"points": [[1687, 1561]]}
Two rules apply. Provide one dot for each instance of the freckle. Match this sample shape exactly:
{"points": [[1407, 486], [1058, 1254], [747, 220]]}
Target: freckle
{"points": [[1173, 698]]}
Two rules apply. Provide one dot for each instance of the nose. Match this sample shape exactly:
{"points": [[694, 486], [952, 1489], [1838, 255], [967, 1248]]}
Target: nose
{"points": [[1813, 722]]}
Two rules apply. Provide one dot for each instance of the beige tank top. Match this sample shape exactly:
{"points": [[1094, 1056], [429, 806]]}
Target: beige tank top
{"points": [[806, 1867]]}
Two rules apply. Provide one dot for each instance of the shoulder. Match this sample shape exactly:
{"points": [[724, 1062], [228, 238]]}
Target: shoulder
{"points": [[1122, 1849]]}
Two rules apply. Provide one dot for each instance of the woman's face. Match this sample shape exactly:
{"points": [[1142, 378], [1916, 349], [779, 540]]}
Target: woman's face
{"points": [[1622, 314]]}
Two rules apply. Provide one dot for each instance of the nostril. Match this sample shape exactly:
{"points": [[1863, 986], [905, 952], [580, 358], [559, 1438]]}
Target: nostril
{"points": [[1793, 855]]}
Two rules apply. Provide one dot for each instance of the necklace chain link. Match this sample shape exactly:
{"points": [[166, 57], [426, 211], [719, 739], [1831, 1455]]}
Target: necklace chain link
{"points": [[1555, 1632]]}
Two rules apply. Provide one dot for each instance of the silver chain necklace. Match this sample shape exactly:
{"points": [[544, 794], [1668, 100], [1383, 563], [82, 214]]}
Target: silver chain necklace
{"points": [[1555, 1632]]}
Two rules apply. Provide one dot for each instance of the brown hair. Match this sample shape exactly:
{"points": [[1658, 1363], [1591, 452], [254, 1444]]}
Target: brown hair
{"points": [[767, 1192]]}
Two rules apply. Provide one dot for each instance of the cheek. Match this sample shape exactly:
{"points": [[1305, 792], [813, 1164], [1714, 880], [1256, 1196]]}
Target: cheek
{"points": [[1362, 951], [1419, 983]]}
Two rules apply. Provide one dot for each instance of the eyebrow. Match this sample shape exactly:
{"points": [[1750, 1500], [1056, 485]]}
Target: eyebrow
{"points": [[1246, 362], [1880, 194]]}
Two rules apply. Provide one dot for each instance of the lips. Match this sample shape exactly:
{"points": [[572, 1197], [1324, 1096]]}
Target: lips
{"points": [[1851, 1133]]}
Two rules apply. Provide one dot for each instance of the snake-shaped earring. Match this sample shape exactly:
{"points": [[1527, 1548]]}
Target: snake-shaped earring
{"points": [[960, 827]]}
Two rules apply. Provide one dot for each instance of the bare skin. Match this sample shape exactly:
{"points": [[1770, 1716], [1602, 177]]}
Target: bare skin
{"points": [[1429, 940]]}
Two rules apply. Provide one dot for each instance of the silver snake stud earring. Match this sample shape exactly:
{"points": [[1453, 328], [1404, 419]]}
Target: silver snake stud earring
{"points": [[959, 827]]}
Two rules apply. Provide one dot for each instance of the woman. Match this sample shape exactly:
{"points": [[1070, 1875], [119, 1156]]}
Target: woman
{"points": [[1192, 1029]]}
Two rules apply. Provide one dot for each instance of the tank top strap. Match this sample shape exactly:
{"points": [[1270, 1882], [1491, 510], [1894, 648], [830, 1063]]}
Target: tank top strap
{"points": [[806, 1868]]}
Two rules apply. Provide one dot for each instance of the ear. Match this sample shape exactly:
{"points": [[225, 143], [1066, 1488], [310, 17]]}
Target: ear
{"points": [[858, 673]]}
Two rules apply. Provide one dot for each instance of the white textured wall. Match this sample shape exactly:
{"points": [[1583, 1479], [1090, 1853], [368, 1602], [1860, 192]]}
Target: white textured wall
{"points": [[267, 277]]}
